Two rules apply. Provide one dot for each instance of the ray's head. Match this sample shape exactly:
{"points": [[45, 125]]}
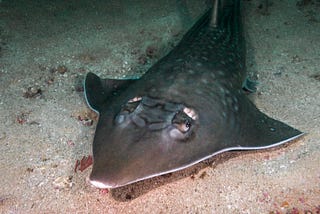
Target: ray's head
{"points": [[145, 138]]}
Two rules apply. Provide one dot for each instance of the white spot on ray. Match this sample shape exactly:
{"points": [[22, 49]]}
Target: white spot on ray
{"points": [[224, 114], [221, 73], [205, 81], [191, 71], [204, 58], [221, 89], [199, 64], [224, 103], [236, 108], [198, 91]]}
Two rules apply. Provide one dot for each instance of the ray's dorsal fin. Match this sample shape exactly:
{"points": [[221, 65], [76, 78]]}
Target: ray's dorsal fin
{"points": [[223, 10], [98, 90], [215, 13]]}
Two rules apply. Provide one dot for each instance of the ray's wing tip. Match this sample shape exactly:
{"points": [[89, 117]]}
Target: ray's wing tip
{"points": [[295, 134], [299, 135]]}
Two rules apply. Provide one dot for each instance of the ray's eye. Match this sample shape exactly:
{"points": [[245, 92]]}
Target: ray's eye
{"points": [[183, 123], [184, 127]]}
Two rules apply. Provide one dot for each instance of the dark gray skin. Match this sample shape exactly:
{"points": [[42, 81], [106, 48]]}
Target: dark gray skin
{"points": [[188, 107]]}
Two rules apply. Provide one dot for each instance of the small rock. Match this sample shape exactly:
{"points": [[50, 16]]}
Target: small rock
{"points": [[61, 69], [151, 52], [64, 182], [33, 92]]}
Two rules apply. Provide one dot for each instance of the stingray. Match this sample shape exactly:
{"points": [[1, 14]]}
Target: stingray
{"points": [[188, 107]]}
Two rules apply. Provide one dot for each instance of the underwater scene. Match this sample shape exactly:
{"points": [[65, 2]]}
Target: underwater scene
{"points": [[182, 106]]}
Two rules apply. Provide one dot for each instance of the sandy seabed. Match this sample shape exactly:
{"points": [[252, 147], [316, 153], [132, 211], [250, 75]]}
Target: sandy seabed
{"points": [[45, 124]]}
